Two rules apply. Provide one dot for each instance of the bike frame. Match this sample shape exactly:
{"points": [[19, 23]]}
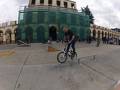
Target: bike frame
{"points": [[65, 49]]}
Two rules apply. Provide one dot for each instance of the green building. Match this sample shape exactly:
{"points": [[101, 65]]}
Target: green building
{"points": [[44, 19]]}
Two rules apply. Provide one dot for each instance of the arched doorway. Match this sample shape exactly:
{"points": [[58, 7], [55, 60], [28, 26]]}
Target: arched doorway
{"points": [[94, 34], [53, 33], [40, 34], [8, 36], [29, 35], [102, 34], [1, 37], [105, 34], [108, 35], [18, 34]]}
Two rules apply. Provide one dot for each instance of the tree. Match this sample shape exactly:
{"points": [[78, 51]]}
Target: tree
{"points": [[87, 11]]}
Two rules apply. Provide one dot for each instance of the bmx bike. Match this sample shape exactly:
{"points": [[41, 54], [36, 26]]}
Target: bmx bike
{"points": [[62, 57]]}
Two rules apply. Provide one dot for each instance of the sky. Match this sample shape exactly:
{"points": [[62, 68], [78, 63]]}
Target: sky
{"points": [[106, 12]]}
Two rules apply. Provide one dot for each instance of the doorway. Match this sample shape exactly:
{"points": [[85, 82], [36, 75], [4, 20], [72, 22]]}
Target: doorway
{"points": [[40, 34], [53, 33], [29, 34]]}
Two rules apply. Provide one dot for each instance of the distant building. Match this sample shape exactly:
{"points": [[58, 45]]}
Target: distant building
{"points": [[104, 32], [116, 29], [8, 32], [45, 19]]}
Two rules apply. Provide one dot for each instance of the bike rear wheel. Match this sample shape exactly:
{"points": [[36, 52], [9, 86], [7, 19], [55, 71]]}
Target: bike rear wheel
{"points": [[61, 57]]}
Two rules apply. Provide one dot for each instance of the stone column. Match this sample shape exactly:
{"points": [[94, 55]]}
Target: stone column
{"points": [[30, 2], [100, 34], [13, 37], [46, 2], [69, 4], [62, 3], [4, 38], [91, 33], [54, 3], [37, 2], [96, 33]]}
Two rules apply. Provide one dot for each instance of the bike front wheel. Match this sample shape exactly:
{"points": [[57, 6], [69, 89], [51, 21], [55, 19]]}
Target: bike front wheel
{"points": [[61, 57]]}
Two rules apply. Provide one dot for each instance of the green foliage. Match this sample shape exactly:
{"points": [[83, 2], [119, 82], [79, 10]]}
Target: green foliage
{"points": [[87, 11]]}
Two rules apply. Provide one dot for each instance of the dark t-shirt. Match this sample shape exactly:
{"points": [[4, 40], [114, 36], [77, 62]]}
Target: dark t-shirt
{"points": [[69, 35]]}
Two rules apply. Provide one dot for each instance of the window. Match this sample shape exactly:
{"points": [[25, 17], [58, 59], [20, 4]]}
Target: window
{"points": [[65, 4], [28, 17], [41, 1], [72, 5], [49, 2], [33, 2], [58, 3], [21, 16]]}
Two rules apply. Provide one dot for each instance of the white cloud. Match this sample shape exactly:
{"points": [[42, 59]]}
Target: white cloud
{"points": [[106, 12], [8, 10]]}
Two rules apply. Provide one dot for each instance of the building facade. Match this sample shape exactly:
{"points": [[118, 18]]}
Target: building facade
{"points": [[45, 19], [8, 32], [104, 32], [116, 29]]}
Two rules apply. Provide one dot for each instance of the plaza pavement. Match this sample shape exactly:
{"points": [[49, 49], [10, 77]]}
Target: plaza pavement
{"points": [[33, 68]]}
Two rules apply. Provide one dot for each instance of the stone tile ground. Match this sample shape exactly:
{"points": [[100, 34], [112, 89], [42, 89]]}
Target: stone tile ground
{"points": [[33, 68]]}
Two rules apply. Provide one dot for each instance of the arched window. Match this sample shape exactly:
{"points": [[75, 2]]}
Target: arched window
{"points": [[72, 5], [33, 2], [1, 37], [50, 2], [65, 4], [53, 33], [41, 1], [102, 34], [58, 3], [94, 34]]}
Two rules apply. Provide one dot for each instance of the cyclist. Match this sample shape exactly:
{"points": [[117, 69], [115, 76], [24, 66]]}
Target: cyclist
{"points": [[70, 38]]}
